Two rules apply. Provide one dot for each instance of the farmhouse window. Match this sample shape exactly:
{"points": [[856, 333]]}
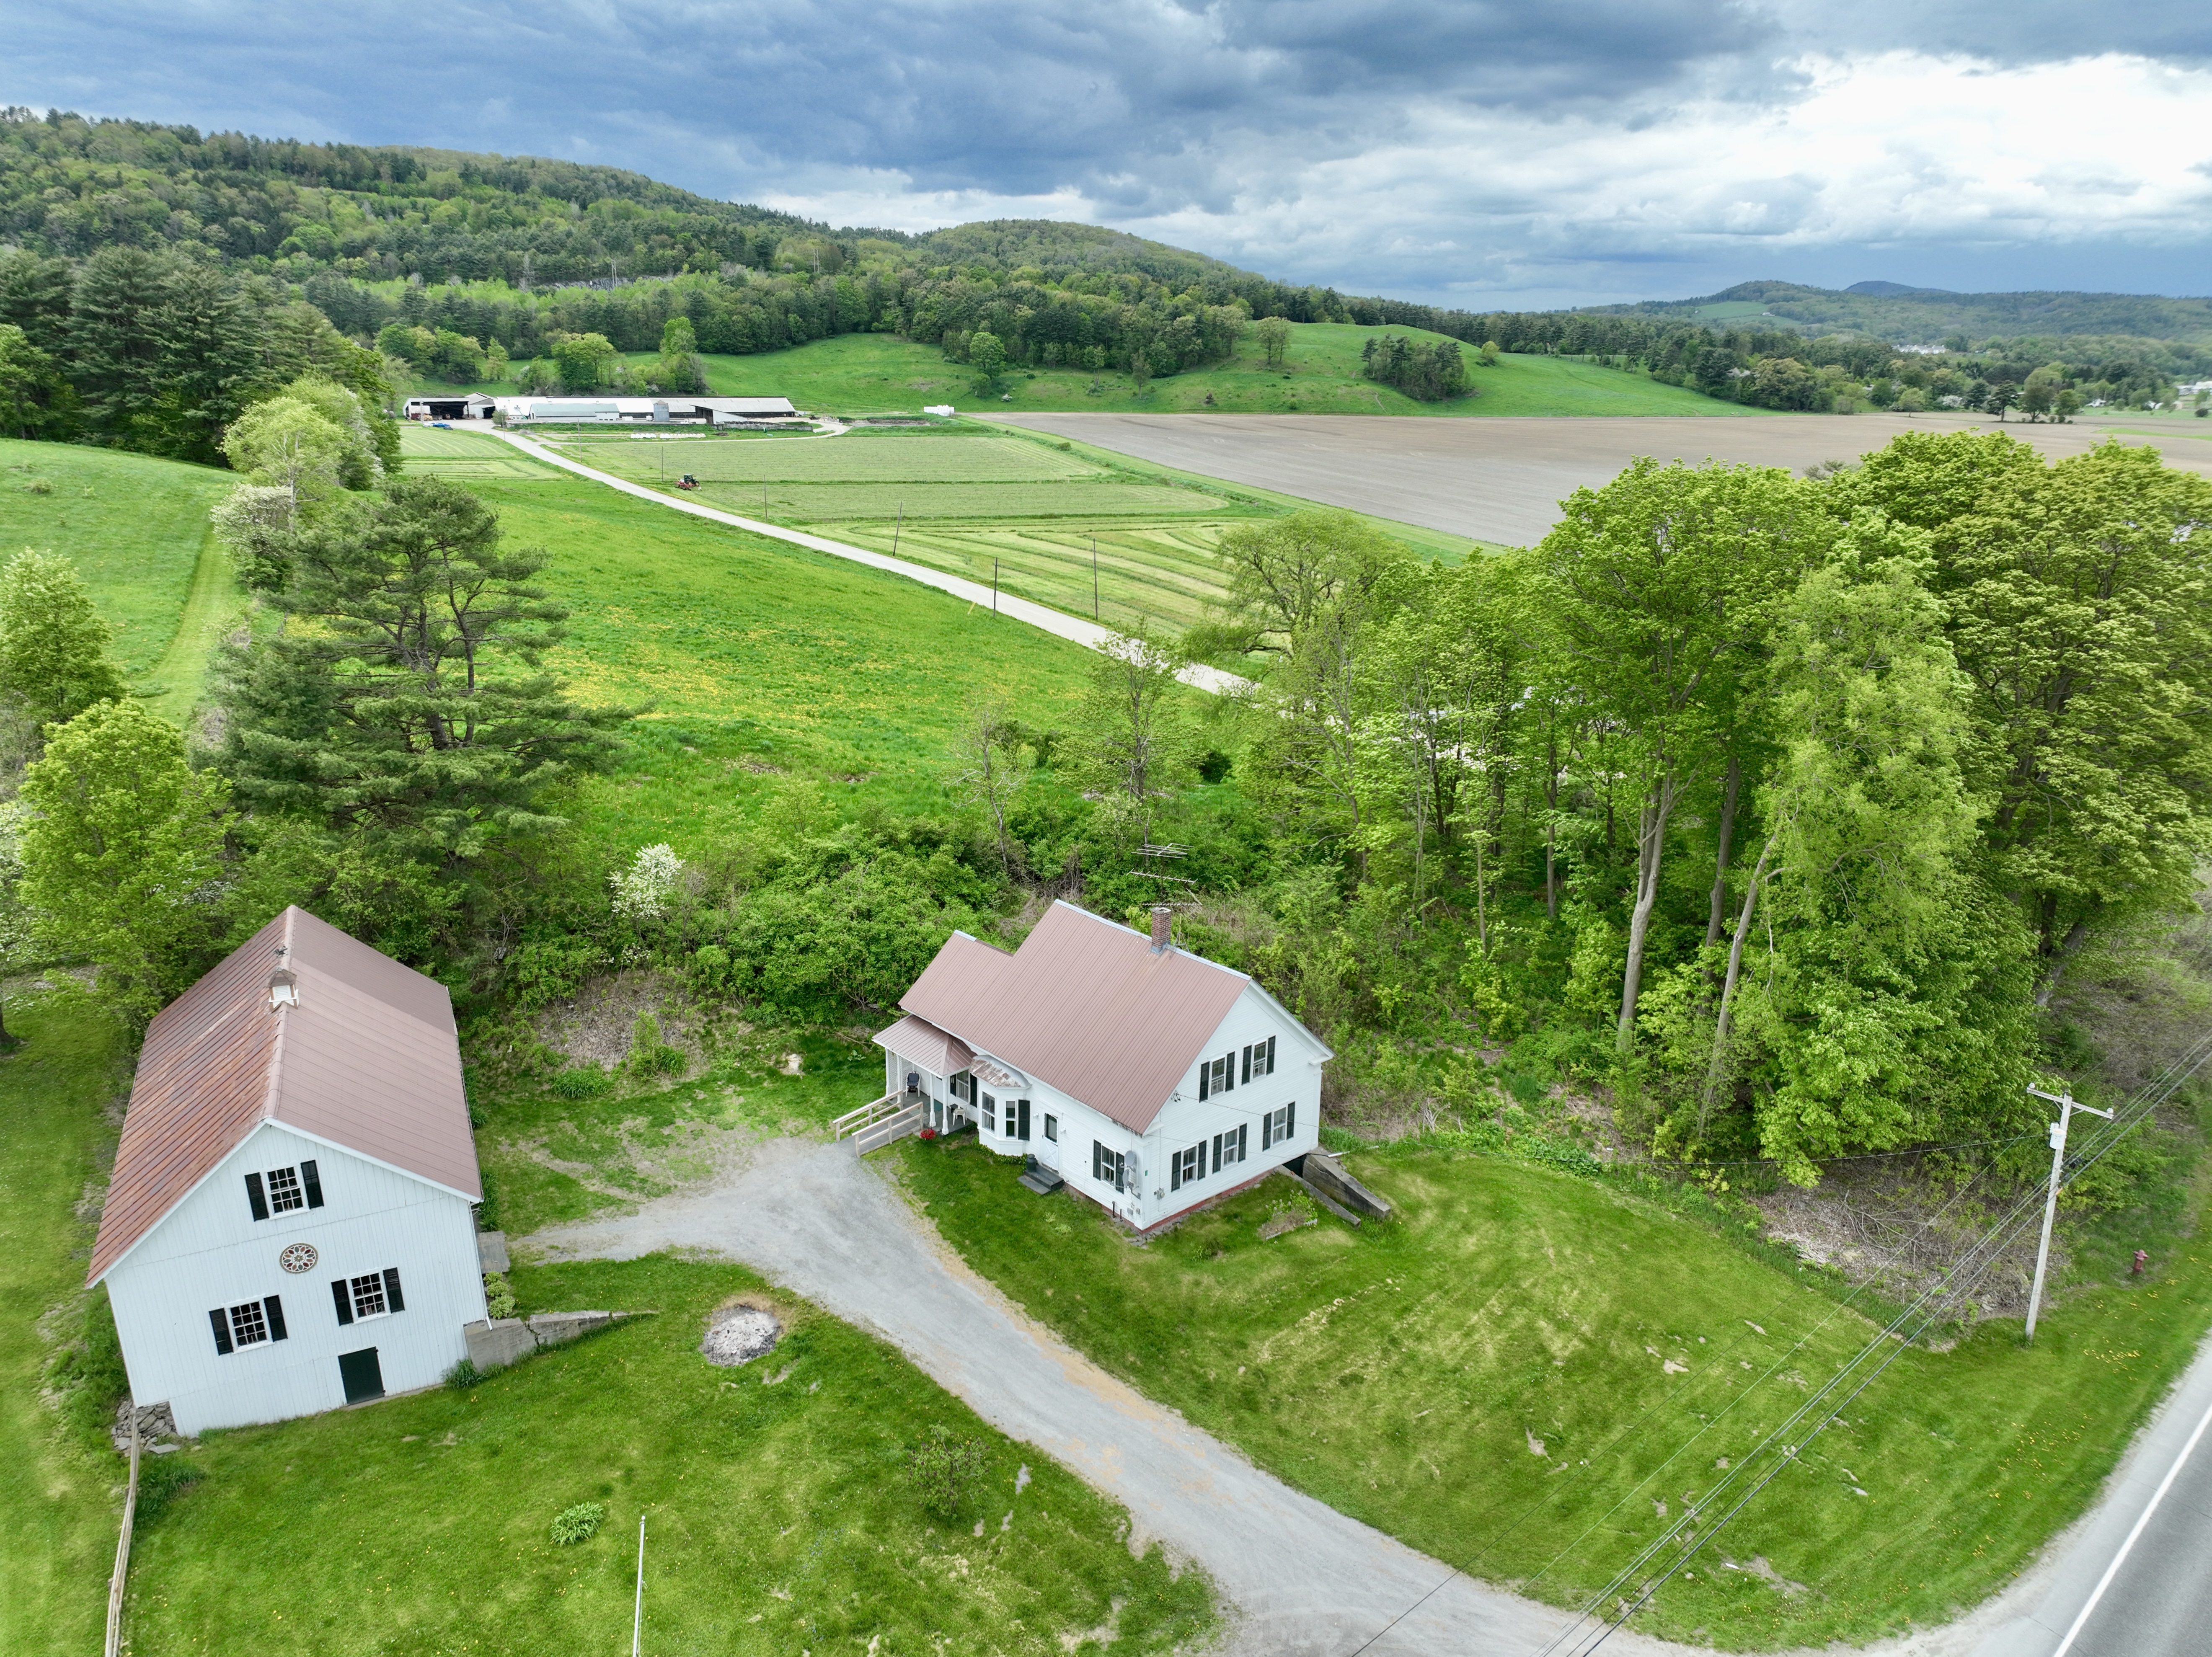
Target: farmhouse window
{"points": [[254, 1200], [1107, 1167], [1216, 1074], [284, 1194], [990, 1114], [1279, 1126], [1052, 1127], [1260, 1058], [1229, 1147], [312, 1180], [250, 1323], [1187, 1166]]}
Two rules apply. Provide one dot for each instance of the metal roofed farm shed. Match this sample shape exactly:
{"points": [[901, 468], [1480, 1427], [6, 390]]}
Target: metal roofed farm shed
{"points": [[1148, 1078], [290, 1225]]}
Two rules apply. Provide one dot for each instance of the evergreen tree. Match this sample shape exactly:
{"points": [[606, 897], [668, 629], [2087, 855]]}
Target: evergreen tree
{"points": [[115, 336], [417, 707]]}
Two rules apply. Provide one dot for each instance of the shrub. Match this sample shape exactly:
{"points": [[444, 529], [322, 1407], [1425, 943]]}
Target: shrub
{"points": [[651, 1056], [499, 1296], [642, 891], [466, 1375], [943, 1470], [578, 1524], [583, 1082]]}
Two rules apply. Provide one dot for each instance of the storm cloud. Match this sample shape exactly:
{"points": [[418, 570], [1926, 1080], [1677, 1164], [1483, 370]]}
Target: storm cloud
{"points": [[1476, 154]]}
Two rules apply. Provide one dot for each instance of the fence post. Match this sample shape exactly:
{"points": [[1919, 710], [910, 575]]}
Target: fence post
{"points": [[122, 1545]]}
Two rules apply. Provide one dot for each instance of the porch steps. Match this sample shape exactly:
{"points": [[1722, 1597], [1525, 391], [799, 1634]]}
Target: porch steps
{"points": [[1042, 1179]]}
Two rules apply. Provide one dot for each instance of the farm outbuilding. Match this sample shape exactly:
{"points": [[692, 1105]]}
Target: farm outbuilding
{"points": [[290, 1225], [1148, 1078]]}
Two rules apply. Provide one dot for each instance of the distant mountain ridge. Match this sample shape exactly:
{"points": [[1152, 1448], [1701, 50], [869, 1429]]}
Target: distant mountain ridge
{"points": [[1913, 316]]}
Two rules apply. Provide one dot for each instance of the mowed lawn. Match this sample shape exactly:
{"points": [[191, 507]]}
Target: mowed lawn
{"points": [[778, 1517], [56, 1526], [138, 529], [1523, 1373]]}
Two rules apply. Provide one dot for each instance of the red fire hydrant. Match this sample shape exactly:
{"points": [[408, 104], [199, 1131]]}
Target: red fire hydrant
{"points": [[2142, 1259]]}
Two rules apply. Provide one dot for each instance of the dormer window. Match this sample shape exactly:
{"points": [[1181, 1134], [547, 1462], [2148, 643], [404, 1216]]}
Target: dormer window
{"points": [[283, 989]]}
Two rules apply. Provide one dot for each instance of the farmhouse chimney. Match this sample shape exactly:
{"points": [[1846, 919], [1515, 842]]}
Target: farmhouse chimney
{"points": [[1160, 915]]}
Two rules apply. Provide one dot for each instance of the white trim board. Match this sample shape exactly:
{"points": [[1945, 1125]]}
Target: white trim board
{"points": [[1089, 634]]}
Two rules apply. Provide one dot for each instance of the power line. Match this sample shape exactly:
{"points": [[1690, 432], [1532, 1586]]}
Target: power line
{"points": [[1975, 1264]]}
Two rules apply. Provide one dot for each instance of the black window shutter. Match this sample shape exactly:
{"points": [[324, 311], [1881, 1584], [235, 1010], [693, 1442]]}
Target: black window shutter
{"points": [[1266, 1130], [392, 1289], [1205, 1075], [254, 1200], [1290, 1120], [1243, 1131], [343, 1300], [1229, 1070], [1271, 1055], [311, 1178], [1247, 1075], [1175, 1172], [220, 1320], [274, 1308]]}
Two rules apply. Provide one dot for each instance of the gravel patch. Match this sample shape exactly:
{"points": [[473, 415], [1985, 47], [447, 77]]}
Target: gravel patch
{"points": [[738, 1334]]}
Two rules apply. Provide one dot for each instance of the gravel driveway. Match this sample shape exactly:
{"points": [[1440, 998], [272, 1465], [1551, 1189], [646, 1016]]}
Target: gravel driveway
{"points": [[1301, 1578]]}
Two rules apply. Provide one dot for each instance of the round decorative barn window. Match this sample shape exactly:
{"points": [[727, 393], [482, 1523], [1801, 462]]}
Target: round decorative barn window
{"points": [[297, 1257]]}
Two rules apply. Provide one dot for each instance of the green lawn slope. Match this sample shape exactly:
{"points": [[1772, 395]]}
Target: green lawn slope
{"points": [[880, 373], [137, 528], [1525, 1371]]}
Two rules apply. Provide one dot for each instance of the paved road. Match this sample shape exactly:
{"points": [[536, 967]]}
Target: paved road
{"points": [[2157, 1603], [1303, 1579], [1060, 625], [1501, 479]]}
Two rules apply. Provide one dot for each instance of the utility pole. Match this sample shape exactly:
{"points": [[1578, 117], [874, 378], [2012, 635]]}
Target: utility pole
{"points": [[2068, 1104]]}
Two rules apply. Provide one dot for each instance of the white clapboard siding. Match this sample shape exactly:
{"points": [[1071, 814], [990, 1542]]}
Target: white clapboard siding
{"points": [[209, 1251]]}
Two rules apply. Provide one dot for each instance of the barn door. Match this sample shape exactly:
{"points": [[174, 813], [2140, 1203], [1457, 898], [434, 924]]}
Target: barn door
{"points": [[362, 1374]]}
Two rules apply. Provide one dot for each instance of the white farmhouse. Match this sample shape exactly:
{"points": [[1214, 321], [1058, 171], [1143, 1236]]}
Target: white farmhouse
{"points": [[1147, 1077], [290, 1226]]}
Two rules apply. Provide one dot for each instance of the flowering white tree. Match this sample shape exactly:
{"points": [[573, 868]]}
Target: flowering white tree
{"points": [[642, 891]]}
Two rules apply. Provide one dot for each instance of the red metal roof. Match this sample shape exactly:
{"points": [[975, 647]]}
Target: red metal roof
{"points": [[368, 1059], [1084, 1005]]}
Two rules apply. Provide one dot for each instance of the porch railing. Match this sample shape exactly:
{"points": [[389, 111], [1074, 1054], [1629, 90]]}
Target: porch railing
{"points": [[874, 1114]]}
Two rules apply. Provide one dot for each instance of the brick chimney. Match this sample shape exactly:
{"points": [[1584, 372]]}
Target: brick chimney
{"points": [[1160, 915]]}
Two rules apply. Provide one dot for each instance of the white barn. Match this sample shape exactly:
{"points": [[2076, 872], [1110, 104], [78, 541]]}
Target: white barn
{"points": [[1147, 1077], [290, 1224]]}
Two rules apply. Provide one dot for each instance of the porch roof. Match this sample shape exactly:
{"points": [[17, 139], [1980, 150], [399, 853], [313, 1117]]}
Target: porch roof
{"points": [[919, 1041]]}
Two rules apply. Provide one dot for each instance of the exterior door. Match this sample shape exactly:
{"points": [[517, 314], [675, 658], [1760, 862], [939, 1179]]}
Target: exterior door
{"points": [[362, 1374]]}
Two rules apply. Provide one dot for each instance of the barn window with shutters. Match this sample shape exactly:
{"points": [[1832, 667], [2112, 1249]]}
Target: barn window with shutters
{"points": [[254, 1201], [368, 1297], [248, 1327], [284, 1192]]}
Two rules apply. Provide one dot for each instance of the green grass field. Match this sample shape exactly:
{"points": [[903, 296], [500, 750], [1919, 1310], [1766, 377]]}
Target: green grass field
{"points": [[758, 658], [1524, 1370], [425, 451], [137, 528], [880, 373]]}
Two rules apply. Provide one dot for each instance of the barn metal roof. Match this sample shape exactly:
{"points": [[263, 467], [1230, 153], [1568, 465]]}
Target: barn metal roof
{"points": [[368, 1061], [1084, 1005]]}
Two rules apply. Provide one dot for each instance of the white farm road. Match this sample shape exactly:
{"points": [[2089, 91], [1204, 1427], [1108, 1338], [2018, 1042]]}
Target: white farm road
{"points": [[1089, 634]]}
